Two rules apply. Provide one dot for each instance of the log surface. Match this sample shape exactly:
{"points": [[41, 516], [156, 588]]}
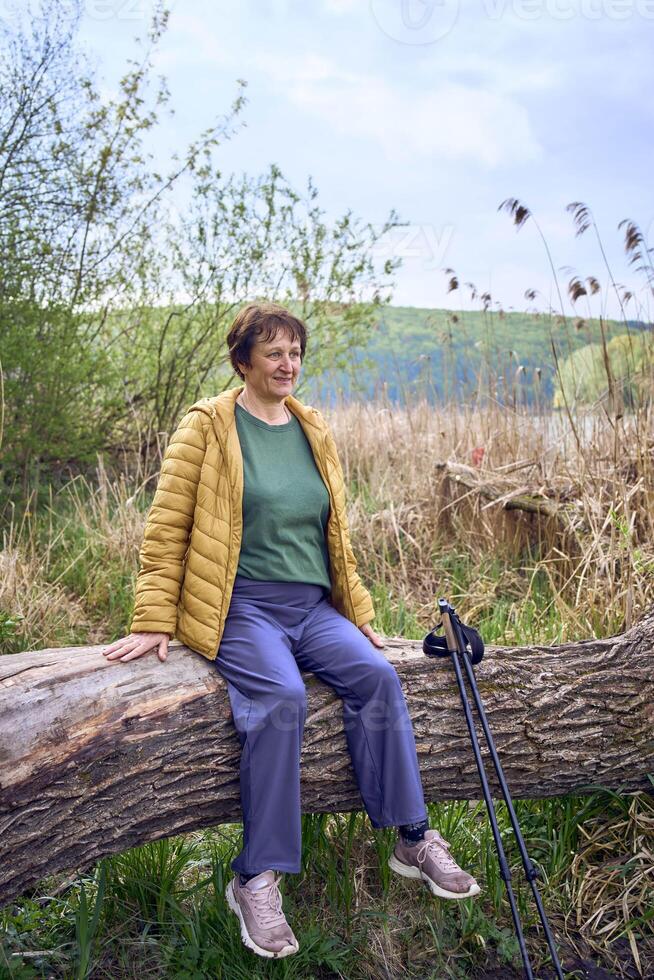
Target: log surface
{"points": [[97, 757]]}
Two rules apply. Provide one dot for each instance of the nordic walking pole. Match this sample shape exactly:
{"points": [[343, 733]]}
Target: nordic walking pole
{"points": [[531, 872], [505, 871], [454, 643]]}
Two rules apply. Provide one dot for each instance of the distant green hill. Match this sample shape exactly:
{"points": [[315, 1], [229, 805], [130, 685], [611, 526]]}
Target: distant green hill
{"points": [[415, 351], [584, 378]]}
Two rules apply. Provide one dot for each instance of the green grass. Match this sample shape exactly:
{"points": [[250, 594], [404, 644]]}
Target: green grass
{"points": [[159, 909]]}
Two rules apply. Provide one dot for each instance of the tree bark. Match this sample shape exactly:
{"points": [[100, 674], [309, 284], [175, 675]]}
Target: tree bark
{"points": [[97, 757]]}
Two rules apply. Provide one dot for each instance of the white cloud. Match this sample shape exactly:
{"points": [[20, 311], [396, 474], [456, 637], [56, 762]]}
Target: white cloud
{"points": [[506, 76], [445, 120]]}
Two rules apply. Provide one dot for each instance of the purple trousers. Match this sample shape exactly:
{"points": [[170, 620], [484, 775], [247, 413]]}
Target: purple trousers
{"points": [[272, 631]]}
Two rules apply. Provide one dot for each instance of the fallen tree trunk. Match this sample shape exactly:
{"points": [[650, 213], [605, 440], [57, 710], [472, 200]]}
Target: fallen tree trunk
{"points": [[496, 488], [97, 757]]}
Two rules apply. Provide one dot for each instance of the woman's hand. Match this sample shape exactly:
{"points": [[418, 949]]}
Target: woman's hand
{"points": [[135, 645], [368, 631]]}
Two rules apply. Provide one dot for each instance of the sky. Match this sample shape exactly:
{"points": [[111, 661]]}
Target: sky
{"points": [[439, 109]]}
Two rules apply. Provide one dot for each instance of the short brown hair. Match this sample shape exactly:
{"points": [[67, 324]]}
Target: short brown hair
{"points": [[261, 321]]}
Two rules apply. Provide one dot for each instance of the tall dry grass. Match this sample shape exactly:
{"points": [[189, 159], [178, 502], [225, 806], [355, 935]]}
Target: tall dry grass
{"points": [[571, 505]]}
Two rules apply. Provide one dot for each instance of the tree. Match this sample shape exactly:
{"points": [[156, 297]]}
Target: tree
{"points": [[117, 282]]}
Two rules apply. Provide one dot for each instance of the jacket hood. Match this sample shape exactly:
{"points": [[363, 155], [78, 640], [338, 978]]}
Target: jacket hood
{"points": [[220, 408]]}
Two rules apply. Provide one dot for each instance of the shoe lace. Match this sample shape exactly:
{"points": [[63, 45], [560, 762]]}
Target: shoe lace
{"points": [[268, 903], [438, 848]]}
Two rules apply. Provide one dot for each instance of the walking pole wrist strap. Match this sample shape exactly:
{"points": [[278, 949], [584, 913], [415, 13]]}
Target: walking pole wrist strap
{"points": [[436, 646]]}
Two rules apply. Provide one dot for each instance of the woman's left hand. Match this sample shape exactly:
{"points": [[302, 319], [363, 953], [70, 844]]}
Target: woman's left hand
{"points": [[368, 631]]}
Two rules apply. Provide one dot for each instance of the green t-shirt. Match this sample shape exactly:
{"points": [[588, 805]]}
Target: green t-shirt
{"points": [[285, 504]]}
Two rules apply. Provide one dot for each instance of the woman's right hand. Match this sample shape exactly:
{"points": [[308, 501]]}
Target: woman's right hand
{"points": [[135, 645]]}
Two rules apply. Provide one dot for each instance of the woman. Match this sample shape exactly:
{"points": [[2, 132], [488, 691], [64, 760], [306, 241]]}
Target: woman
{"points": [[246, 558]]}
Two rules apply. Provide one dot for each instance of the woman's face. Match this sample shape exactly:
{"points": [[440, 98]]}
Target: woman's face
{"points": [[274, 367]]}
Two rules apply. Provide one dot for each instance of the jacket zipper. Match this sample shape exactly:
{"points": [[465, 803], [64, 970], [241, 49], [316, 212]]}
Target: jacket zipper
{"points": [[231, 525], [229, 554], [340, 538]]}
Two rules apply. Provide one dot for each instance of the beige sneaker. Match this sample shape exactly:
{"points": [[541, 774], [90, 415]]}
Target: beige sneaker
{"points": [[258, 905], [430, 860]]}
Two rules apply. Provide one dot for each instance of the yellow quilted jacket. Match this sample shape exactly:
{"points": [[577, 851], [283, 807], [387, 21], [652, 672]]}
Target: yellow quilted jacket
{"points": [[192, 537]]}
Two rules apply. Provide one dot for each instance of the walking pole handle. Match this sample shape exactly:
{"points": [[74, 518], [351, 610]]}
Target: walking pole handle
{"points": [[458, 638], [448, 629]]}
